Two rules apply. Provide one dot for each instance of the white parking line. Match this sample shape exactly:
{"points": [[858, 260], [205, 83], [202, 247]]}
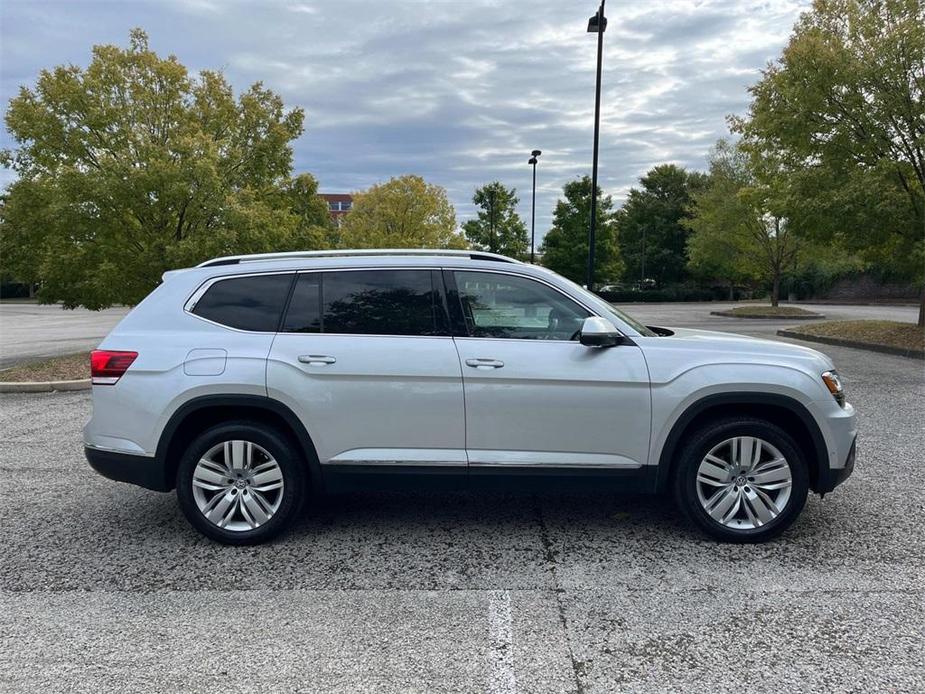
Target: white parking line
{"points": [[500, 643]]}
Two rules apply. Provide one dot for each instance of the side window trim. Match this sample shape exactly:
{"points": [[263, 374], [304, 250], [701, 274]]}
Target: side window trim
{"points": [[467, 331], [458, 327], [443, 326], [285, 311], [284, 317]]}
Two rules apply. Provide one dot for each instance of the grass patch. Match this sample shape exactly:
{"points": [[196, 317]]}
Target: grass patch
{"points": [[70, 367], [766, 312], [873, 332]]}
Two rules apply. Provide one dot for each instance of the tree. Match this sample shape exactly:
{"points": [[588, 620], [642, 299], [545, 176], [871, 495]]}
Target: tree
{"points": [[651, 224], [405, 212], [313, 225], [842, 115], [498, 228], [131, 167], [565, 246], [739, 225]]}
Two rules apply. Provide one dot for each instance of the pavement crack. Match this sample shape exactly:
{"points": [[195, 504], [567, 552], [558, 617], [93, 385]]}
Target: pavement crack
{"points": [[549, 557]]}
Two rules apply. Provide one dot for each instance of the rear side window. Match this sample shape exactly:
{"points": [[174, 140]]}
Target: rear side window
{"points": [[304, 314], [368, 302], [246, 303]]}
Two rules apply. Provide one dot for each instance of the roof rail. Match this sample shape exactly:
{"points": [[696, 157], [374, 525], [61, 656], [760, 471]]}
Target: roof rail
{"points": [[357, 253]]}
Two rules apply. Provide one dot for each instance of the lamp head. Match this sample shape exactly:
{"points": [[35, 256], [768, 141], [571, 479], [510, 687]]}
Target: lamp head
{"points": [[597, 23]]}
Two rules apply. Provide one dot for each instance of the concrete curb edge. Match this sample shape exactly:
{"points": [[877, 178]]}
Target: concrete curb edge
{"points": [[725, 314], [43, 386], [839, 342]]}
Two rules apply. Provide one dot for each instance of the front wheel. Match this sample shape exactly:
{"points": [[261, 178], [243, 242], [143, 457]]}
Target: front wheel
{"points": [[742, 480], [241, 483]]}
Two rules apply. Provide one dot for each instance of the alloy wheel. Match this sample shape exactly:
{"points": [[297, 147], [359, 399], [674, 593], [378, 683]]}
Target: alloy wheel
{"points": [[238, 485], [744, 483]]}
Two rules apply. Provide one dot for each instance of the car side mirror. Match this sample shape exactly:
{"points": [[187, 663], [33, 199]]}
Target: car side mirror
{"points": [[599, 332]]}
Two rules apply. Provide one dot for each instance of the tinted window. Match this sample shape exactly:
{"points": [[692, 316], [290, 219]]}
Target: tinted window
{"points": [[304, 314], [506, 306], [246, 303], [381, 302]]}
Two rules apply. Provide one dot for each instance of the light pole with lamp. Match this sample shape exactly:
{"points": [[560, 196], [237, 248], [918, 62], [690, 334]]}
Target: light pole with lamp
{"points": [[596, 25], [533, 155]]}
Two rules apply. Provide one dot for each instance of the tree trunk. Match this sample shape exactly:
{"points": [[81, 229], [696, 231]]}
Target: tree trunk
{"points": [[922, 308], [775, 291]]}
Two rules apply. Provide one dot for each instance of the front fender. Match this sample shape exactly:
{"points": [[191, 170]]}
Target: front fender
{"points": [[675, 404]]}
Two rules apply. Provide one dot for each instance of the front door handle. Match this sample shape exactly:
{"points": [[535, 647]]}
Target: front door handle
{"points": [[484, 363], [316, 359]]}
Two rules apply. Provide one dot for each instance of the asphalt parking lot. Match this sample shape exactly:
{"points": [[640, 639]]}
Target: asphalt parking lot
{"points": [[104, 587], [31, 331]]}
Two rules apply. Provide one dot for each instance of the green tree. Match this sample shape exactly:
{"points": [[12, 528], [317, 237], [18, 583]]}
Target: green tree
{"points": [[565, 246], [651, 224], [405, 212], [313, 225], [739, 226], [498, 228], [131, 166], [842, 115]]}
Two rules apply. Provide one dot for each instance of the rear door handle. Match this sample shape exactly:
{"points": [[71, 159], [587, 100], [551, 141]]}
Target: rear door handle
{"points": [[316, 359], [484, 363]]}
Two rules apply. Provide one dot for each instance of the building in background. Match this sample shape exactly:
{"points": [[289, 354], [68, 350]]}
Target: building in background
{"points": [[339, 204]]}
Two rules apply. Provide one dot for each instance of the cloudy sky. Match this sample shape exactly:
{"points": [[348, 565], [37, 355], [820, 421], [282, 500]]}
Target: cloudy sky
{"points": [[457, 91]]}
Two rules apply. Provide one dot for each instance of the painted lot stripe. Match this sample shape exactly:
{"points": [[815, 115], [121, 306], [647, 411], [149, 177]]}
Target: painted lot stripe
{"points": [[500, 643]]}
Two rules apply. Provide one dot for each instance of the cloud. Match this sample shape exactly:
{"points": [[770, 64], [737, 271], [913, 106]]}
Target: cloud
{"points": [[458, 92]]}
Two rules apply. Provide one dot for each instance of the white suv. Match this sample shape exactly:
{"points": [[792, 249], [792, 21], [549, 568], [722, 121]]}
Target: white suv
{"points": [[249, 383]]}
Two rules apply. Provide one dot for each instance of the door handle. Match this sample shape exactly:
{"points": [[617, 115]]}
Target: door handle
{"points": [[316, 359], [484, 363]]}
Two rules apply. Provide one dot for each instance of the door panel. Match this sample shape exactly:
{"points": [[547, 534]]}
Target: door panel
{"points": [[380, 400], [366, 361], [534, 397], [555, 404]]}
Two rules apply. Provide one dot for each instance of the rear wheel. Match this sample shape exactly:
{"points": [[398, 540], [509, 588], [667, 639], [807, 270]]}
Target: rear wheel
{"points": [[241, 483], [742, 480]]}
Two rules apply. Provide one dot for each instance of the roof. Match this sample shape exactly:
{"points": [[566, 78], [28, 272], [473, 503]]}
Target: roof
{"points": [[336, 197]]}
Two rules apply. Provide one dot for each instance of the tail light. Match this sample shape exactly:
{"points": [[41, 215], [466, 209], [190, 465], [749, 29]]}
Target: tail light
{"points": [[107, 367]]}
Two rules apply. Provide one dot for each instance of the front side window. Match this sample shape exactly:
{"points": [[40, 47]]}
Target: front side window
{"points": [[367, 302], [246, 303], [507, 306]]}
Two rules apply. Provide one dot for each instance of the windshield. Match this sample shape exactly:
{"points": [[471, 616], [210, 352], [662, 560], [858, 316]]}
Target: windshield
{"points": [[620, 315]]}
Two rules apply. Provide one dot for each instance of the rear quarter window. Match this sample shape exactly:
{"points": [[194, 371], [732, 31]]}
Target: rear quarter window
{"points": [[247, 303]]}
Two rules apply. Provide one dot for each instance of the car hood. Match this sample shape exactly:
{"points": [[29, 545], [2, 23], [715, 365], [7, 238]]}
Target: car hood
{"points": [[731, 343]]}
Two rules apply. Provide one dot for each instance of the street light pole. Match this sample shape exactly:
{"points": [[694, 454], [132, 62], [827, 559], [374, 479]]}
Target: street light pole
{"points": [[491, 221], [533, 155], [643, 278], [597, 24]]}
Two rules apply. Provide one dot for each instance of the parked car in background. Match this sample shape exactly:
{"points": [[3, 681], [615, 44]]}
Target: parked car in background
{"points": [[250, 383]]}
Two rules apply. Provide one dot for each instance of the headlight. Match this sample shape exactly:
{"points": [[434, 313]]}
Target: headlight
{"points": [[833, 383]]}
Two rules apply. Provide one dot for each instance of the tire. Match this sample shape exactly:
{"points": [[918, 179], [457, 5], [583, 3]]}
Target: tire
{"points": [[241, 483], [728, 501]]}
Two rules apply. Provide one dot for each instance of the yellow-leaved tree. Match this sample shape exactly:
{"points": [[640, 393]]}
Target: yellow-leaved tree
{"points": [[404, 212]]}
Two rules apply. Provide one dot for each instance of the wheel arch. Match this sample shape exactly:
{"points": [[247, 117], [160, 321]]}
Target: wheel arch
{"points": [[200, 413], [786, 412]]}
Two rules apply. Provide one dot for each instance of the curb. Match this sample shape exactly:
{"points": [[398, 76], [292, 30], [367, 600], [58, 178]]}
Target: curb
{"points": [[43, 386], [724, 314], [839, 342]]}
